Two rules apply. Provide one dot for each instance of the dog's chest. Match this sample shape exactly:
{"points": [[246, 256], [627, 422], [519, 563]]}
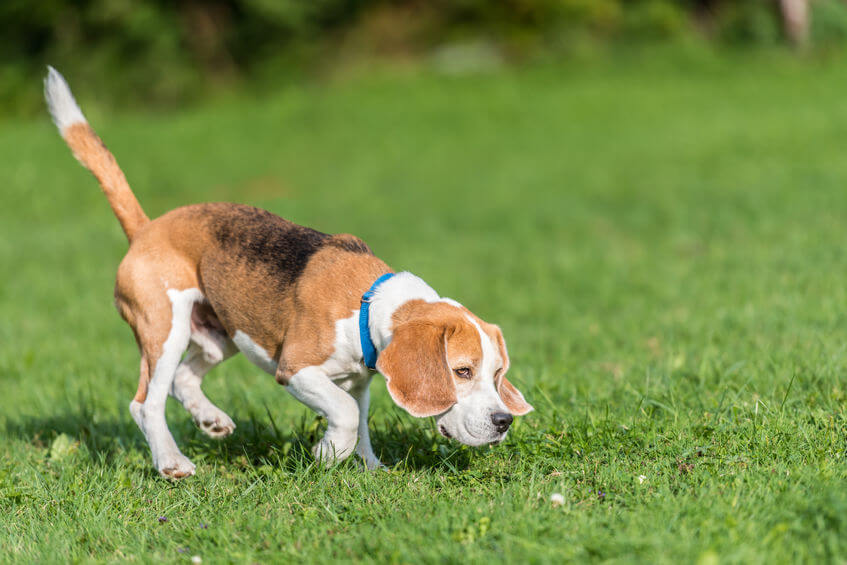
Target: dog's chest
{"points": [[345, 366], [354, 381]]}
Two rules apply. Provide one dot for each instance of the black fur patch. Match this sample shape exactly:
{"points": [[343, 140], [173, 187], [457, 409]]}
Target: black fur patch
{"points": [[349, 243], [257, 236]]}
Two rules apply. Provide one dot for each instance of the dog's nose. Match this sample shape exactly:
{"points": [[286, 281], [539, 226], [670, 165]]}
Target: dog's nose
{"points": [[501, 421]]}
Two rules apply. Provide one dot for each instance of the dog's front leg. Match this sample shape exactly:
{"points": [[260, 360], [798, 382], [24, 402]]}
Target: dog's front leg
{"points": [[362, 395], [313, 387]]}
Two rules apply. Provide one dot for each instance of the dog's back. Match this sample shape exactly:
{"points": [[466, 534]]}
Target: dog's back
{"points": [[250, 265]]}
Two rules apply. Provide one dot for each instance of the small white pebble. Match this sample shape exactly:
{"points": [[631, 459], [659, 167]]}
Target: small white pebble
{"points": [[196, 559], [557, 499], [641, 478]]}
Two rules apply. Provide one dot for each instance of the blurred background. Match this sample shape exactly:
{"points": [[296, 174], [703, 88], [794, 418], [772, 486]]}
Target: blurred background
{"points": [[163, 54]]}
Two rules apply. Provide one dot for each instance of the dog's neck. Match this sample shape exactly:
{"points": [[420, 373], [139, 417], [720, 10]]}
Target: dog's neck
{"points": [[390, 295]]}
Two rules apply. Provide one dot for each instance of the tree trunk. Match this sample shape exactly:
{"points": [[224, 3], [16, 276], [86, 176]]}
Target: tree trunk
{"points": [[795, 17]]}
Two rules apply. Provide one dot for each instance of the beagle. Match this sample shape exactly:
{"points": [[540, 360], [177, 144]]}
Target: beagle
{"points": [[319, 312]]}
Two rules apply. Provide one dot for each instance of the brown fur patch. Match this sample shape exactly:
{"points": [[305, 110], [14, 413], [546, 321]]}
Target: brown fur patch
{"points": [[141, 298], [513, 399], [329, 290], [415, 368], [90, 150], [283, 285], [430, 340], [143, 380], [462, 347]]}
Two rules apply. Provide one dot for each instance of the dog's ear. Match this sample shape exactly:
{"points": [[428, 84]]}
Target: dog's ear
{"points": [[512, 397], [415, 368]]}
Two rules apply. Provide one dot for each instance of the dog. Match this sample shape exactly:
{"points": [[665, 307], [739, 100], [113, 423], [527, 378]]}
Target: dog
{"points": [[320, 312]]}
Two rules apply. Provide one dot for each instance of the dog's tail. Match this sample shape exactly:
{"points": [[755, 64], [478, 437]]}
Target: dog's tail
{"points": [[92, 153]]}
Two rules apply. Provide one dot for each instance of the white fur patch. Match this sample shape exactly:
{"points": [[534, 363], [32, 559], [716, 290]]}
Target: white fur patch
{"points": [[254, 352], [182, 301], [346, 362], [451, 302], [313, 387], [490, 354], [151, 415], [60, 101], [389, 296], [135, 410]]}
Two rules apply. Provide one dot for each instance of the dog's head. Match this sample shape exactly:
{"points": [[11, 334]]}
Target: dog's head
{"points": [[443, 361]]}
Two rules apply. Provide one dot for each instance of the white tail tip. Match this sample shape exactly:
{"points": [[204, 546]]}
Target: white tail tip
{"points": [[60, 101]]}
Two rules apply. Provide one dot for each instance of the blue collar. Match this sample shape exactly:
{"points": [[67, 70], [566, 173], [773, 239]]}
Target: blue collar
{"points": [[368, 347]]}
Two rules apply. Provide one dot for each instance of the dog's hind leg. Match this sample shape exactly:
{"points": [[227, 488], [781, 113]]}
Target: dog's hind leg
{"points": [[162, 345], [198, 361]]}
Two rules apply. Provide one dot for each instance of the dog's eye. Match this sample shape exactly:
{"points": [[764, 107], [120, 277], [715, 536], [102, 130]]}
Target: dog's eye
{"points": [[463, 372]]}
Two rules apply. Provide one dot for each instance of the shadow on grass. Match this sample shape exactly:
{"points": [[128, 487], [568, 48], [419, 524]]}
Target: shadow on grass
{"points": [[107, 439], [257, 441], [414, 445]]}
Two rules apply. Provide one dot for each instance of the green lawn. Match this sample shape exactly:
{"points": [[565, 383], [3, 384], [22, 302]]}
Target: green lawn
{"points": [[664, 246]]}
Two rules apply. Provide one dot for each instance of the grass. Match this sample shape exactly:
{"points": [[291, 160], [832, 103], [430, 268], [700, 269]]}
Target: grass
{"points": [[663, 247]]}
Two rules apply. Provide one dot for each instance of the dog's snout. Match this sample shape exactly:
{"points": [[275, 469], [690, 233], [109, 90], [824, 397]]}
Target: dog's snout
{"points": [[501, 421]]}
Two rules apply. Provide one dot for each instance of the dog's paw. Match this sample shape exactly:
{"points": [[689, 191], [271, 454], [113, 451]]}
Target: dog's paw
{"points": [[329, 453], [214, 422], [175, 467]]}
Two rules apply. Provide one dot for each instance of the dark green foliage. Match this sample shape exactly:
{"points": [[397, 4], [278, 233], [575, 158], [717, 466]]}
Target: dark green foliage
{"points": [[749, 22], [829, 25], [165, 54], [157, 52]]}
